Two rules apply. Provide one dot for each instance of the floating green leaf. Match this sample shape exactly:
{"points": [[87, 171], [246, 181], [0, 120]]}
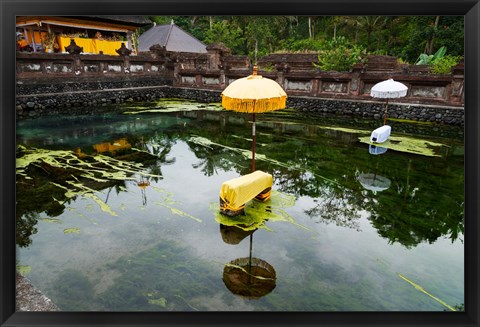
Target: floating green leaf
{"points": [[178, 211], [421, 289], [73, 230], [51, 220], [105, 207]]}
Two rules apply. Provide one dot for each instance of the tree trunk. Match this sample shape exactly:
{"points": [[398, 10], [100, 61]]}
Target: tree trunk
{"points": [[310, 27], [429, 45]]}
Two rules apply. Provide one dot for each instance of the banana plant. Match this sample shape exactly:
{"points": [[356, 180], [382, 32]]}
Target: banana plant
{"points": [[425, 59]]}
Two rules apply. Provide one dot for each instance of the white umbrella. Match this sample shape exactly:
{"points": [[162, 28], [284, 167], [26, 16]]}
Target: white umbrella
{"points": [[388, 89]]}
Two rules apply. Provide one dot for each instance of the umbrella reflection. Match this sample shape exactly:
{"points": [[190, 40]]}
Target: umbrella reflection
{"points": [[234, 234], [374, 182], [248, 277], [373, 149], [143, 183]]}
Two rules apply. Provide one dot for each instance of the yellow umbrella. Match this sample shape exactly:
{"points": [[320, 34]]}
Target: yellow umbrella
{"points": [[254, 94]]}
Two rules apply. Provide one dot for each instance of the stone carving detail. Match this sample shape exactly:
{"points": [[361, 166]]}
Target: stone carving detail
{"points": [[123, 51], [73, 48]]}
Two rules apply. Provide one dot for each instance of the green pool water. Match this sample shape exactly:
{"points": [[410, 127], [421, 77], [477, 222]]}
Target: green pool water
{"points": [[120, 212]]}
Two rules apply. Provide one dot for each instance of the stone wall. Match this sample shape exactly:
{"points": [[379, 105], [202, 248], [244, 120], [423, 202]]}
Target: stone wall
{"points": [[87, 102], [54, 83], [373, 109]]}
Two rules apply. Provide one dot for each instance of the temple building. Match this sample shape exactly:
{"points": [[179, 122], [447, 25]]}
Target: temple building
{"points": [[96, 34]]}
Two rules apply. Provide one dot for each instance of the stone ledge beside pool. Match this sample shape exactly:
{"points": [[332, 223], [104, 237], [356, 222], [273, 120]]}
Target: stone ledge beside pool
{"points": [[29, 298]]}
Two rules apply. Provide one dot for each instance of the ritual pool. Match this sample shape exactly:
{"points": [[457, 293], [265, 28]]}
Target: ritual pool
{"points": [[120, 212]]}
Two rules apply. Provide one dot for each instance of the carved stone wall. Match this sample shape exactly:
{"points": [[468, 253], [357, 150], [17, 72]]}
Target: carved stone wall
{"points": [[48, 74]]}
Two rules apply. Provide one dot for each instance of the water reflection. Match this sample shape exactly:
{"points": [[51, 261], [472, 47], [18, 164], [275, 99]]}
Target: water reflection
{"points": [[326, 245], [305, 159], [248, 277], [374, 149], [374, 182], [233, 234], [112, 147], [143, 183]]}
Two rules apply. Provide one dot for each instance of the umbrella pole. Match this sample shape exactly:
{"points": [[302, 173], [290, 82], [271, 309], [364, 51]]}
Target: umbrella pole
{"points": [[385, 114], [253, 143], [250, 261]]}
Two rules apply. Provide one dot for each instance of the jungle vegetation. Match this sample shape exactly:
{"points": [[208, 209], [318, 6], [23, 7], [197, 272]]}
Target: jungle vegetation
{"points": [[405, 37]]}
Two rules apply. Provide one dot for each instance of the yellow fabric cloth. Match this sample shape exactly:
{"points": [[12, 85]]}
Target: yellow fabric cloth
{"points": [[87, 44], [236, 192], [108, 47], [91, 45]]}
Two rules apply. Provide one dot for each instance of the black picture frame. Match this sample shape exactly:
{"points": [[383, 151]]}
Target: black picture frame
{"points": [[10, 8]]}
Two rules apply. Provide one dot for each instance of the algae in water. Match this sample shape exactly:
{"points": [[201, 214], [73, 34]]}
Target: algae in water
{"points": [[258, 213], [98, 168], [171, 105], [73, 230], [23, 269], [408, 144]]}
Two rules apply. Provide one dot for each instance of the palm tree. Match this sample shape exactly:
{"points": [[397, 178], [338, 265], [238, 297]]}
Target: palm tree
{"points": [[370, 24]]}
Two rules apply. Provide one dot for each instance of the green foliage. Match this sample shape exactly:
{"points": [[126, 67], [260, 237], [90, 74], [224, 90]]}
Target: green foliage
{"points": [[421, 31], [439, 62], [444, 65], [400, 36], [223, 32], [268, 67], [425, 59], [339, 55], [302, 45], [460, 307]]}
